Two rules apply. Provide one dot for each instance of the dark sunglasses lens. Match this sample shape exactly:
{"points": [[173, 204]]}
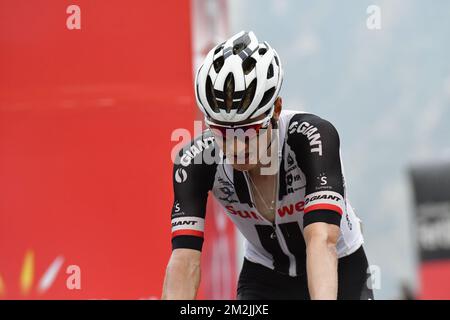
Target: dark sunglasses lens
{"points": [[246, 131]]}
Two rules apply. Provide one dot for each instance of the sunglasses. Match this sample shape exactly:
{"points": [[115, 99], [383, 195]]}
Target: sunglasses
{"points": [[250, 130]]}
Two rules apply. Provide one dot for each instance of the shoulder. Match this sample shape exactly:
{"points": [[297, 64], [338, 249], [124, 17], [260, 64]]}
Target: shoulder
{"points": [[311, 132], [200, 150], [307, 123]]}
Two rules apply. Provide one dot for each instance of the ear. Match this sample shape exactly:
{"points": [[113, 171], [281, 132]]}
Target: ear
{"points": [[278, 106]]}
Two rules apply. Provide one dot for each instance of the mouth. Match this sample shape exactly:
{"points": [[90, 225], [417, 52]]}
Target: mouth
{"points": [[246, 157]]}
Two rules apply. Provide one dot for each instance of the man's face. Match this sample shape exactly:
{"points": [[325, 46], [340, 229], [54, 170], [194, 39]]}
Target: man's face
{"points": [[244, 146]]}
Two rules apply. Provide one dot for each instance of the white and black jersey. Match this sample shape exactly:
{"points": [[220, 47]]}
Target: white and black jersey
{"points": [[311, 188]]}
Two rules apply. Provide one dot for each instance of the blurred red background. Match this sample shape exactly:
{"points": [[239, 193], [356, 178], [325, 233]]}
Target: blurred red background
{"points": [[85, 123]]}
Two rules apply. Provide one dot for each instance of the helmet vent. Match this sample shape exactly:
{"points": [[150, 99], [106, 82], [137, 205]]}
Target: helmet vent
{"points": [[248, 65], [229, 91], [218, 49], [238, 48], [210, 96], [218, 64], [241, 43], [248, 97], [266, 98], [262, 51], [270, 71]]}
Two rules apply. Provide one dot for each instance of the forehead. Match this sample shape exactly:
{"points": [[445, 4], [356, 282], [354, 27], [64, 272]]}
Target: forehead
{"points": [[260, 117]]}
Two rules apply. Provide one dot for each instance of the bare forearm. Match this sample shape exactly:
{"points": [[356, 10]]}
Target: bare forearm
{"points": [[181, 281], [321, 267]]}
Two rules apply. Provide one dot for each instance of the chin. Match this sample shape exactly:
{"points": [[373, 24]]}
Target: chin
{"points": [[243, 167]]}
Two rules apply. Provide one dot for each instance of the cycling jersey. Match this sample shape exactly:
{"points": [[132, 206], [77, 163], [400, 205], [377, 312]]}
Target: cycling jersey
{"points": [[310, 184]]}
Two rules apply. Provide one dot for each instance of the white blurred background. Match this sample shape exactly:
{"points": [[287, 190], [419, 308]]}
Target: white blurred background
{"points": [[386, 90]]}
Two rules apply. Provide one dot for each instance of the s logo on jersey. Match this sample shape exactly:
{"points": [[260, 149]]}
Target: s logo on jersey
{"points": [[176, 210], [180, 175], [323, 179]]}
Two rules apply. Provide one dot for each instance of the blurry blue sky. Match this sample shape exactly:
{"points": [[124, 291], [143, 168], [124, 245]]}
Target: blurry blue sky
{"points": [[387, 91]]}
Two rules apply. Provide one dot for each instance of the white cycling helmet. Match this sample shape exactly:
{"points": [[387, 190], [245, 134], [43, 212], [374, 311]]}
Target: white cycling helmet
{"points": [[239, 79]]}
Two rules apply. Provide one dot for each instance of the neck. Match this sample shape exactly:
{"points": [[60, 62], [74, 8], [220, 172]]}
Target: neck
{"points": [[272, 154]]}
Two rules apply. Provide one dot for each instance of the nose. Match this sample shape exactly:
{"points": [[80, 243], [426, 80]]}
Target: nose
{"points": [[235, 147]]}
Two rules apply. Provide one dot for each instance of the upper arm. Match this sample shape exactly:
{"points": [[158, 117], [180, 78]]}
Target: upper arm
{"points": [[192, 180], [316, 144]]}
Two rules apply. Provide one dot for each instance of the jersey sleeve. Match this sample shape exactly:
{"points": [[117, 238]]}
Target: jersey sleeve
{"points": [[192, 180], [315, 143]]}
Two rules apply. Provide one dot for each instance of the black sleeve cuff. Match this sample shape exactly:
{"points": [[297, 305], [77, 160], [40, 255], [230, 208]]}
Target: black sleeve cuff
{"points": [[187, 242], [327, 216]]}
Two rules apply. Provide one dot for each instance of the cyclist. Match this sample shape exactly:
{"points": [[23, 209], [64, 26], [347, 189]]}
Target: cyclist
{"points": [[278, 175]]}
